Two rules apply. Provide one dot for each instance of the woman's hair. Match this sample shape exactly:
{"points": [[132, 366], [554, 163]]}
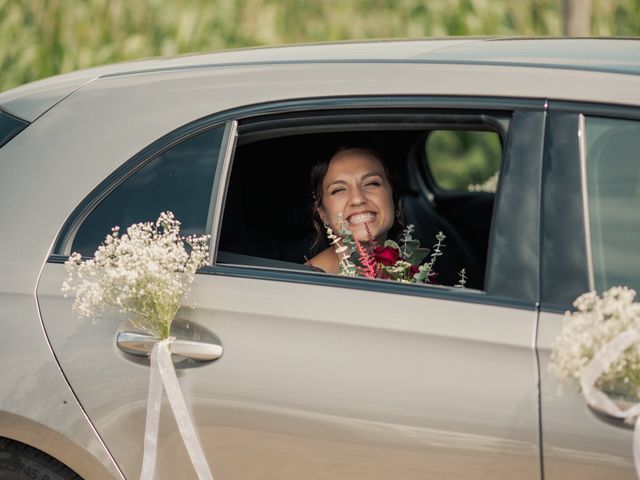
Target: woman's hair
{"points": [[319, 171]]}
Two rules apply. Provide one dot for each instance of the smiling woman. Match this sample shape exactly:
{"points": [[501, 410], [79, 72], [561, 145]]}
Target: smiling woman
{"points": [[352, 186]]}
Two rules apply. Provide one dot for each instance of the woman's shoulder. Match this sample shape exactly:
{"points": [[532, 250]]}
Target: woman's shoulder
{"points": [[326, 261]]}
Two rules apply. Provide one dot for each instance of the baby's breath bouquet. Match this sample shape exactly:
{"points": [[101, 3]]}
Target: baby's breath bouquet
{"points": [[595, 323], [144, 273]]}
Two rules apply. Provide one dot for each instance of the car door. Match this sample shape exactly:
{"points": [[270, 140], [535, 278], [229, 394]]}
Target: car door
{"points": [[323, 376], [591, 228]]}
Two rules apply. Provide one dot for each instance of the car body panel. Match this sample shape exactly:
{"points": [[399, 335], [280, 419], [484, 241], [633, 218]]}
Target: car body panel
{"points": [[30, 101], [606, 55], [589, 54], [366, 391], [577, 443], [37, 406], [89, 458]]}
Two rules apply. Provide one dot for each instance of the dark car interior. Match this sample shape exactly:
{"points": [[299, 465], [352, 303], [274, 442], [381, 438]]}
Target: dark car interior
{"points": [[267, 217]]}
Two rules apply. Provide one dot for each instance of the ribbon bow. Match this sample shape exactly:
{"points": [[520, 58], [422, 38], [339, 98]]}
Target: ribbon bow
{"points": [[163, 376], [598, 399]]}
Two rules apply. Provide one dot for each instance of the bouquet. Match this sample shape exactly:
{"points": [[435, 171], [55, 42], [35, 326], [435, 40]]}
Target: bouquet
{"points": [[596, 323], [402, 261], [144, 273]]}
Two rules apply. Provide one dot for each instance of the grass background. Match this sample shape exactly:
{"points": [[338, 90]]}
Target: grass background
{"points": [[40, 38]]}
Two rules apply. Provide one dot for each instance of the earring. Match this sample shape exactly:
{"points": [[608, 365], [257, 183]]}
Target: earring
{"points": [[325, 224], [397, 213]]}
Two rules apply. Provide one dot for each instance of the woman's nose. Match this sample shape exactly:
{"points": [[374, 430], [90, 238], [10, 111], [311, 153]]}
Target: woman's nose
{"points": [[357, 196]]}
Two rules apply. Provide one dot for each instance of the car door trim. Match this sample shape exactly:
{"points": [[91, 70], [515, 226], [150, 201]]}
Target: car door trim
{"points": [[582, 152], [223, 168], [328, 280], [313, 278], [513, 263]]}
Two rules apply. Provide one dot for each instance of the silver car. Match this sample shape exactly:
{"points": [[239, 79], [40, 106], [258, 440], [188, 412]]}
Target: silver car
{"points": [[525, 153]]}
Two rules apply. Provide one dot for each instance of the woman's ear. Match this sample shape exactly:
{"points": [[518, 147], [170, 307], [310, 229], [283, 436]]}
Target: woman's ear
{"points": [[322, 214]]}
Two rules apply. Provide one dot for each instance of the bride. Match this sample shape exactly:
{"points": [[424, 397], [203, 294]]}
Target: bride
{"points": [[354, 185]]}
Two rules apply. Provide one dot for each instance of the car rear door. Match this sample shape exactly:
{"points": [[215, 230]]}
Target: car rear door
{"points": [[333, 377], [591, 227]]}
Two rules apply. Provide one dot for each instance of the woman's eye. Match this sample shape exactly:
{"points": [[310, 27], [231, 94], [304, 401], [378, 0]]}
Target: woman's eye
{"points": [[337, 190], [373, 183]]}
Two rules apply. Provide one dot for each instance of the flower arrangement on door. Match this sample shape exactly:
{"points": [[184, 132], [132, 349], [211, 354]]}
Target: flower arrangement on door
{"points": [[146, 273]]}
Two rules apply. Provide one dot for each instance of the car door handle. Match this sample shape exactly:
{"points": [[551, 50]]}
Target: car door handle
{"points": [[140, 344]]}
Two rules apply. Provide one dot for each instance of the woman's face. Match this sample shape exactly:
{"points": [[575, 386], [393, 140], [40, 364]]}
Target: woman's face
{"points": [[357, 190]]}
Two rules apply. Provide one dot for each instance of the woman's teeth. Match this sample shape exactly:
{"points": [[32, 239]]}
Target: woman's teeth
{"points": [[361, 218]]}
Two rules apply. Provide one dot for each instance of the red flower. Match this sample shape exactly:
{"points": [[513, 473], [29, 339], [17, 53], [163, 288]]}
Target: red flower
{"points": [[386, 255], [413, 269]]}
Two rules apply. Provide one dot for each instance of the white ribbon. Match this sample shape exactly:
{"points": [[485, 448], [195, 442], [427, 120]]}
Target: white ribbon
{"points": [[597, 399], [163, 375]]}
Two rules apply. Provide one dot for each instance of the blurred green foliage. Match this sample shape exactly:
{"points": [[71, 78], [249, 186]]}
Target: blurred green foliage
{"points": [[39, 38], [460, 159]]}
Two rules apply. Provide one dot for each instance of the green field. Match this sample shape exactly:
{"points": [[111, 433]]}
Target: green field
{"points": [[40, 38]]}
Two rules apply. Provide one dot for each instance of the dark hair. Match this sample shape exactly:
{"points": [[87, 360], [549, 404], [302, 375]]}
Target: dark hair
{"points": [[319, 171]]}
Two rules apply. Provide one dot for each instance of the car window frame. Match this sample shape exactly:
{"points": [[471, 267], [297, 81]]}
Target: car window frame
{"points": [[565, 277], [498, 290], [64, 241]]}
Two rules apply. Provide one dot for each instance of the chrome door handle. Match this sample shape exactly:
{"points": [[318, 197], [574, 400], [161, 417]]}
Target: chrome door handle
{"points": [[140, 344]]}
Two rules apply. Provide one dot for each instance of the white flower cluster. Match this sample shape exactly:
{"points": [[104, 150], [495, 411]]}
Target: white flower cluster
{"points": [[145, 272], [596, 322], [489, 185]]}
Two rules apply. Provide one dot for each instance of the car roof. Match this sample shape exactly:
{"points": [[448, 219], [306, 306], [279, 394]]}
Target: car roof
{"points": [[593, 54], [608, 55]]}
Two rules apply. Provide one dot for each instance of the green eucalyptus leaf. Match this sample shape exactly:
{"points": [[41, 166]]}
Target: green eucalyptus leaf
{"points": [[418, 256], [392, 244], [408, 248]]}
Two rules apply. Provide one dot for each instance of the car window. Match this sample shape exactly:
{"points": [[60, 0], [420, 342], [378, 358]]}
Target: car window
{"points": [[612, 148], [464, 160], [267, 220], [10, 126], [179, 179]]}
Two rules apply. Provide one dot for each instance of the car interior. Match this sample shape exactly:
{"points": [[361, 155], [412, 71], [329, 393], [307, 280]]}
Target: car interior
{"points": [[267, 215]]}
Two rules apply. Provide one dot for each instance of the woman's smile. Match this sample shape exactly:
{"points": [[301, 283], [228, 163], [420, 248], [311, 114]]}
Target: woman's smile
{"points": [[361, 217], [356, 190]]}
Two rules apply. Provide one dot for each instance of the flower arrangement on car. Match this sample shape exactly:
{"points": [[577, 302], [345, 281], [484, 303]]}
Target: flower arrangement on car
{"points": [[599, 349], [145, 274], [402, 261], [588, 333]]}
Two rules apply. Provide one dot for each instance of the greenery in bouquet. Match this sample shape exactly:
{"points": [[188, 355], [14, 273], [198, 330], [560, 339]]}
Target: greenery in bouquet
{"points": [[402, 261], [144, 273], [596, 321]]}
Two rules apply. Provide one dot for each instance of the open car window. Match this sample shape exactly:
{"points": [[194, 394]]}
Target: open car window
{"points": [[266, 221]]}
